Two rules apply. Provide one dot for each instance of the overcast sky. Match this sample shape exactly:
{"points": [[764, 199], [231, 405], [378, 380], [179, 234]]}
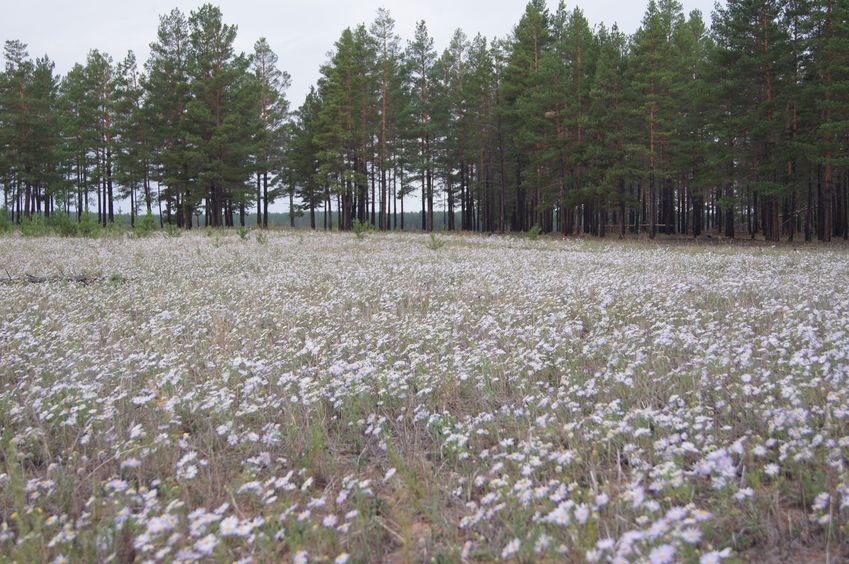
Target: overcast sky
{"points": [[301, 32]]}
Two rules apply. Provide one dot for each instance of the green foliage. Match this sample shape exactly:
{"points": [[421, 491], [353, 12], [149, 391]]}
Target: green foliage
{"points": [[5, 223], [244, 232], [145, 225], [172, 230], [678, 125], [62, 225], [434, 243], [534, 232], [361, 229], [34, 226], [87, 226], [261, 238]]}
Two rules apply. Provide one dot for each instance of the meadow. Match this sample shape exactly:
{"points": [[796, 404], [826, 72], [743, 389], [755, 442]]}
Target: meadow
{"points": [[310, 397]]}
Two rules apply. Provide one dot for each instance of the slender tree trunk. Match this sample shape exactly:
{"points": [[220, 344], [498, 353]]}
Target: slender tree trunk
{"points": [[429, 185], [827, 183], [109, 185], [147, 199], [424, 201], [621, 208], [258, 199], [100, 204], [292, 209], [265, 199], [394, 200], [729, 211]]}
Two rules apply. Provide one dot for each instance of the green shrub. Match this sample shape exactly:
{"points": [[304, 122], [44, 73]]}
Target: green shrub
{"points": [[172, 230], [145, 225], [87, 226], [34, 227], [534, 232], [435, 243], [261, 237], [360, 229], [62, 224], [243, 233], [5, 223]]}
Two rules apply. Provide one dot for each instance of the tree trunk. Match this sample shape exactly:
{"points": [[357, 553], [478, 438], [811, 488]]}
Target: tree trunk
{"points": [[729, 211], [109, 185], [265, 199], [258, 199]]}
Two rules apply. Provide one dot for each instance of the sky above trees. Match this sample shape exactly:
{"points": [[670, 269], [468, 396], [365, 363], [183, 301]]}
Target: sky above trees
{"points": [[299, 31]]}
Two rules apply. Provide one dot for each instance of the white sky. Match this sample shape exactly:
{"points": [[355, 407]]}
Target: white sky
{"points": [[301, 32]]}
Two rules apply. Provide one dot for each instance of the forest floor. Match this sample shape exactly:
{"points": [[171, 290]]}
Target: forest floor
{"points": [[315, 397]]}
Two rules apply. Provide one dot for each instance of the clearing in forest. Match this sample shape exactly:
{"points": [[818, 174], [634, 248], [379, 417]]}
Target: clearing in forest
{"points": [[314, 397]]}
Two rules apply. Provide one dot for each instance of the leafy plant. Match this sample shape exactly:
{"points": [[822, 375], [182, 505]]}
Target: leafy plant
{"points": [[534, 232], [261, 237], [360, 229], [435, 243], [87, 226], [243, 233], [62, 224], [5, 222], [34, 227], [172, 230], [145, 225]]}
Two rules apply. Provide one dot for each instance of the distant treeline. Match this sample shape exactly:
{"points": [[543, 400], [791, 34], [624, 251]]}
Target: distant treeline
{"points": [[742, 127], [409, 221]]}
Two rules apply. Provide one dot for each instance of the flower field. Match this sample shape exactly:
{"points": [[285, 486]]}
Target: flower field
{"points": [[323, 398]]}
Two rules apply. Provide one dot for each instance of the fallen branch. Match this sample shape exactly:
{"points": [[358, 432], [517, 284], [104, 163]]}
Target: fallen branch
{"points": [[78, 279]]}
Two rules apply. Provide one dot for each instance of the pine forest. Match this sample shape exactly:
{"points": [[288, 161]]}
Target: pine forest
{"points": [[739, 129]]}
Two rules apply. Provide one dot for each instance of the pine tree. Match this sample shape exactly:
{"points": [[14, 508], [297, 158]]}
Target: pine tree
{"points": [[752, 48], [167, 95], [689, 147], [448, 118], [99, 77], [133, 147], [271, 135], [611, 164], [5, 148], [388, 49], [303, 156], [829, 20], [654, 80], [18, 140], [77, 112], [343, 131], [421, 59], [44, 92], [574, 58], [525, 107], [478, 135], [219, 117]]}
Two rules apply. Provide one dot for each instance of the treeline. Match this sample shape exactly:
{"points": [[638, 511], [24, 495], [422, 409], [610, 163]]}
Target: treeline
{"points": [[742, 127], [198, 132]]}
